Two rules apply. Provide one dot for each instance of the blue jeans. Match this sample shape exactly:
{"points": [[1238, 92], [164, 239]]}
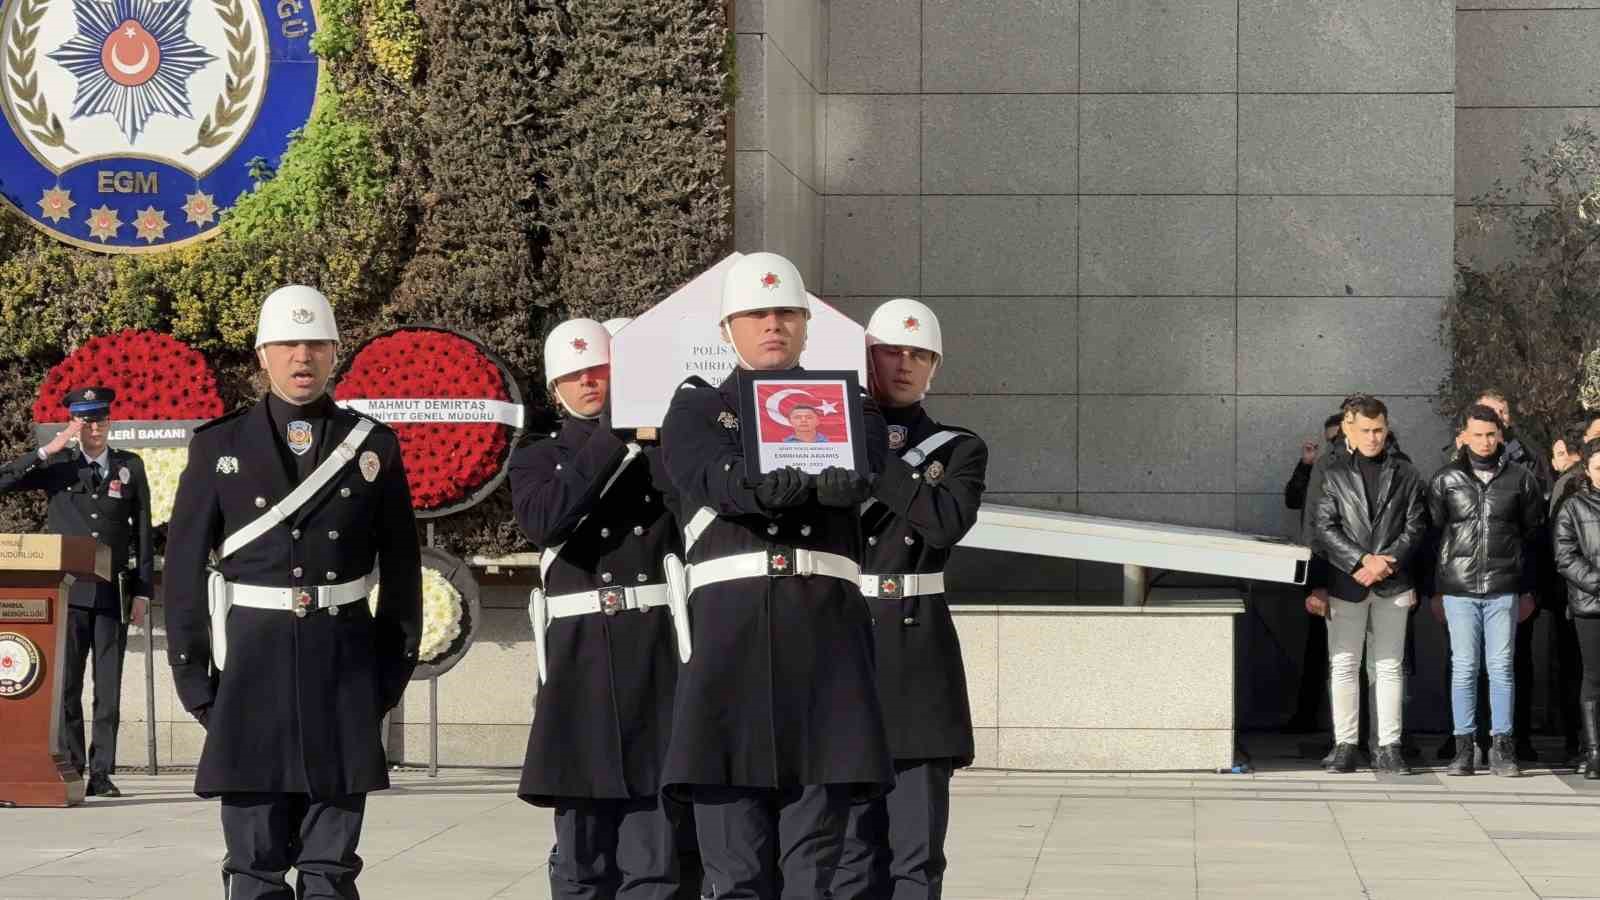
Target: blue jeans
{"points": [[1488, 624]]}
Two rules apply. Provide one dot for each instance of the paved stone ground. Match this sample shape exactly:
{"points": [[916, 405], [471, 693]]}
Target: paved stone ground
{"points": [[1287, 831]]}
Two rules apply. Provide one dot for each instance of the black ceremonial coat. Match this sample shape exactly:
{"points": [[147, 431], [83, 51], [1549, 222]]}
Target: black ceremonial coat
{"points": [[918, 515], [298, 707], [76, 508], [601, 724], [780, 689]]}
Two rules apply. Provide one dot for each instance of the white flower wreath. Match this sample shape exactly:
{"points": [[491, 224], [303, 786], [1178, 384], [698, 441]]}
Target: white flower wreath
{"points": [[441, 614]]}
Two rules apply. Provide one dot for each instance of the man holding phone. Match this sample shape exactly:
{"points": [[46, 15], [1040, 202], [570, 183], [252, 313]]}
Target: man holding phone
{"points": [[100, 492]]}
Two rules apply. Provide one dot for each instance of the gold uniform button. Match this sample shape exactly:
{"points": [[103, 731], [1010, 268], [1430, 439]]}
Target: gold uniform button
{"points": [[330, 574], [297, 571], [94, 515], [295, 534], [605, 577], [261, 503], [772, 529], [872, 541], [94, 534], [638, 530], [605, 532], [344, 492], [910, 540], [333, 535], [805, 531], [641, 577], [908, 621]]}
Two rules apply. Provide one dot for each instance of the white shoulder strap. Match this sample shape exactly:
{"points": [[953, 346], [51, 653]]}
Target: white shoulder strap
{"points": [[548, 557], [702, 520], [288, 506], [918, 455]]}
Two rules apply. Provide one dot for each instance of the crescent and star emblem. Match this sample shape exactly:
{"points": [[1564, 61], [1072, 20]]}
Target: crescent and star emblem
{"points": [[775, 403]]}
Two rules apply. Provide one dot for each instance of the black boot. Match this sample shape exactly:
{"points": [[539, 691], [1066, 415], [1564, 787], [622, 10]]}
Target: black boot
{"points": [[1392, 760], [1503, 757], [1591, 740], [1344, 759], [1447, 750], [1462, 763]]}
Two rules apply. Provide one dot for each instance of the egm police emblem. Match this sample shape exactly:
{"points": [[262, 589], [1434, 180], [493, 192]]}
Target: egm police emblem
{"points": [[131, 125]]}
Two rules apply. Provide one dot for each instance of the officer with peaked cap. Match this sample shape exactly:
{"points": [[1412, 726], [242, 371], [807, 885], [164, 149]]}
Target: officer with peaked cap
{"points": [[777, 727], [303, 506], [600, 507], [100, 492], [923, 503]]}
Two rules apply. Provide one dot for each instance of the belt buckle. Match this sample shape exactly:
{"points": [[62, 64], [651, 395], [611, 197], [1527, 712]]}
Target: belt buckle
{"points": [[611, 601], [891, 587], [780, 562], [302, 604]]}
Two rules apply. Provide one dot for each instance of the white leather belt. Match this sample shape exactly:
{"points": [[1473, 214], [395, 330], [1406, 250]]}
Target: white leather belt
{"points": [[779, 562], [301, 600], [608, 600], [891, 587]]}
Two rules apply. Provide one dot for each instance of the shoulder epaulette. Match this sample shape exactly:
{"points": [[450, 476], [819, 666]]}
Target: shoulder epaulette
{"points": [[225, 417]]}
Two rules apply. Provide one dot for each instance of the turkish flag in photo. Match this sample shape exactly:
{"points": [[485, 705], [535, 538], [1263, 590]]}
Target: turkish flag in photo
{"points": [[803, 412]]}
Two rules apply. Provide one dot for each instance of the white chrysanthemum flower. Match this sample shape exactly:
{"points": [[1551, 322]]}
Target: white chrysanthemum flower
{"points": [[441, 613], [162, 467]]}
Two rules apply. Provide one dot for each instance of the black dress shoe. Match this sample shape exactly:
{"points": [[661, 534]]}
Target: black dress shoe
{"points": [[101, 786], [1344, 759]]}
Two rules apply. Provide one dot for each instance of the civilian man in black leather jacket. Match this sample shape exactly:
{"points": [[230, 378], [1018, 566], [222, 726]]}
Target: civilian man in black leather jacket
{"points": [[1489, 513], [1370, 519]]}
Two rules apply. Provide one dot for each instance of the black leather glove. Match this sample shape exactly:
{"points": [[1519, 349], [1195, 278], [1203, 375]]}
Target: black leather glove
{"points": [[841, 488], [783, 488]]}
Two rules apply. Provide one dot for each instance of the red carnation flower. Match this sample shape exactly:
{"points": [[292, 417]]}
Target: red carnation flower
{"points": [[143, 368]]}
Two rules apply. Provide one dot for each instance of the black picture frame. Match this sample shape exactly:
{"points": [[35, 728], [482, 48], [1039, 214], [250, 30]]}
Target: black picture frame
{"points": [[750, 414]]}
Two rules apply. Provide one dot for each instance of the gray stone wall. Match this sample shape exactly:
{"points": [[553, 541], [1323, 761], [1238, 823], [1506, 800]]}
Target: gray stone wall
{"points": [[1523, 73], [1164, 238]]}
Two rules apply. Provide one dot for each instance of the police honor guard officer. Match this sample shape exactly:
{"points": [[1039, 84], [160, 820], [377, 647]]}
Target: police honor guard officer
{"points": [[922, 505], [600, 507], [99, 492], [276, 651], [777, 726]]}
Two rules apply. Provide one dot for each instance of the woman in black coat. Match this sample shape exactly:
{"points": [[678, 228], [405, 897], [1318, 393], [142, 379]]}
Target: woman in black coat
{"points": [[600, 509], [1577, 545]]}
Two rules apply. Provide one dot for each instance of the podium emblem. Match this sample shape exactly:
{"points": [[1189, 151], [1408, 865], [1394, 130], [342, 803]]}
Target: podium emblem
{"points": [[19, 665]]}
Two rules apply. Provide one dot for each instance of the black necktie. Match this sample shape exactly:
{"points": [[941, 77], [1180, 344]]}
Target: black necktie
{"points": [[97, 475]]}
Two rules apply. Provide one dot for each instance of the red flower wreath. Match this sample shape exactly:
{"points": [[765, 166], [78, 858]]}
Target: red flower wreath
{"points": [[155, 377], [445, 463]]}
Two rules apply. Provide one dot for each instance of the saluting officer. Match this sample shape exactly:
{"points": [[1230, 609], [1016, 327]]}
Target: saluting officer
{"points": [[100, 492], [777, 726], [922, 505], [600, 508], [304, 507]]}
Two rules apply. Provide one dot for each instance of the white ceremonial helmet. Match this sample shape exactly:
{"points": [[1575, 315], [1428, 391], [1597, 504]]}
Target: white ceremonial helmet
{"points": [[296, 313], [904, 322], [613, 326], [762, 281], [573, 346]]}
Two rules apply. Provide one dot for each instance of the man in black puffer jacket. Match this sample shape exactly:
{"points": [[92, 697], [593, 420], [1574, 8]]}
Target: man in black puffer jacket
{"points": [[1370, 518], [1489, 512]]}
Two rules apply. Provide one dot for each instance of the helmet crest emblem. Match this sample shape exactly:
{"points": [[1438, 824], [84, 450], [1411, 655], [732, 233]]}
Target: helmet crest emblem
{"points": [[580, 345], [770, 280], [912, 324], [302, 316]]}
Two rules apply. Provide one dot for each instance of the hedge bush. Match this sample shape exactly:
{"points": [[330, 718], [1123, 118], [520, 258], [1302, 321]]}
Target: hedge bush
{"points": [[1525, 325], [488, 165]]}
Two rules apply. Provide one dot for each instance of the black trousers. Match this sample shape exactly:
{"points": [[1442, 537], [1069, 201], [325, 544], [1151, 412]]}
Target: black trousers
{"points": [[894, 846], [1588, 634], [624, 849], [267, 833], [99, 636], [763, 844], [1568, 677]]}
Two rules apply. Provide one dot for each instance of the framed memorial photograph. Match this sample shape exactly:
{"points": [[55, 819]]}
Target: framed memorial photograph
{"points": [[810, 420]]}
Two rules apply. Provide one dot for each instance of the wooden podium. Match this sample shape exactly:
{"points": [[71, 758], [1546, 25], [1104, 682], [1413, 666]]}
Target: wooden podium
{"points": [[36, 571]]}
